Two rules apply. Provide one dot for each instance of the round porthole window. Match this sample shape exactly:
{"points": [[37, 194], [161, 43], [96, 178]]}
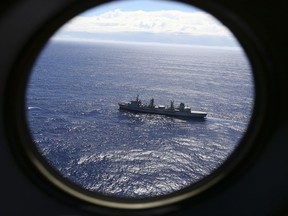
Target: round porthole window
{"points": [[138, 104]]}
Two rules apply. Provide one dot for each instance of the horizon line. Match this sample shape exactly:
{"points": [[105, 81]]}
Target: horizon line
{"points": [[80, 40]]}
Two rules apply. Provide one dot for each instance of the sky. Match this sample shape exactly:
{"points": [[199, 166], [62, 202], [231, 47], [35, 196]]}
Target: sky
{"points": [[148, 21]]}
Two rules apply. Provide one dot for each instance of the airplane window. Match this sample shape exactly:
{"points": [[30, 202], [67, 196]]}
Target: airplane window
{"points": [[139, 99]]}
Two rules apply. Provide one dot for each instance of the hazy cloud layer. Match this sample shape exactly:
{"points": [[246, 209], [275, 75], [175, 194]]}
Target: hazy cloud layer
{"points": [[168, 22], [169, 27]]}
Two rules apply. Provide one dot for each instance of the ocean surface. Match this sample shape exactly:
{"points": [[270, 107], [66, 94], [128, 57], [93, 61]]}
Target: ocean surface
{"points": [[72, 111]]}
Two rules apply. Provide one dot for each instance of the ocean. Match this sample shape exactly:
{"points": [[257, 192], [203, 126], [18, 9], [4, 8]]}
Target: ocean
{"points": [[72, 112]]}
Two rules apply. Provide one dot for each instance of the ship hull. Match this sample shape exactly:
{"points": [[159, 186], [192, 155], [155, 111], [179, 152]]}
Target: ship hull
{"points": [[167, 112]]}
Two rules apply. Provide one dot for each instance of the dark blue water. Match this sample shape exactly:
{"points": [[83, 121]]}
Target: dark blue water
{"points": [[72, 110]]}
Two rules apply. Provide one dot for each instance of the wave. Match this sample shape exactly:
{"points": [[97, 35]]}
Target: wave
{"points": [[33, 108]]}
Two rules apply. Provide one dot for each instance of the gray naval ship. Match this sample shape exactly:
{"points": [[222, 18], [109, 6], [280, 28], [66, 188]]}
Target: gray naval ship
{"points": [[181, 112]]}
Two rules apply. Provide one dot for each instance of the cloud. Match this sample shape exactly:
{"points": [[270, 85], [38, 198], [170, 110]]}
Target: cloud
{"points": [[171, 22]]}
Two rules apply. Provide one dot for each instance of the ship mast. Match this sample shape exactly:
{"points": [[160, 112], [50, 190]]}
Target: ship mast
{"points": [[172, 105], [151, 104]]}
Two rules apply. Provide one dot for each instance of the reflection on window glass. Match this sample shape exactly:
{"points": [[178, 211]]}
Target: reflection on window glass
{"points": [[117, 52]]}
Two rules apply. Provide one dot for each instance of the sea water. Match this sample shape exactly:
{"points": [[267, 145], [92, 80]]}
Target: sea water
{"points": [[72, 111]]}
